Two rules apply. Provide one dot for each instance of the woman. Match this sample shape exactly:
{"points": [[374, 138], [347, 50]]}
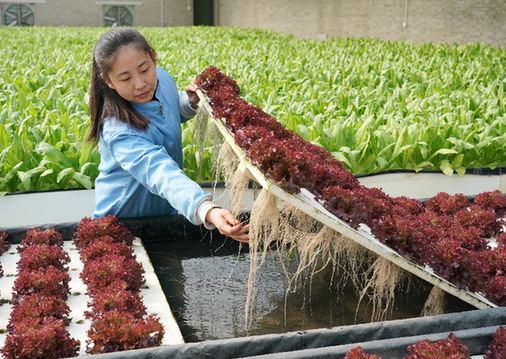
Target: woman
{"points": [[136, 116]]}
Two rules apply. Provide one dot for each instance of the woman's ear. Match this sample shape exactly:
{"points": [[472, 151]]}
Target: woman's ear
{"points": [[107, 81], [153, 56]]}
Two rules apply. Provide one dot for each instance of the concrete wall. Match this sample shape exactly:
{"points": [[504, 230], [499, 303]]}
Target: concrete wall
{"points": [[450, 21], [57, 13], [90, 12]]}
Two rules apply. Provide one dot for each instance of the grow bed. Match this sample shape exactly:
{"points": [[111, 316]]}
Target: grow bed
{"points": [[152, 294], [306, 202]]}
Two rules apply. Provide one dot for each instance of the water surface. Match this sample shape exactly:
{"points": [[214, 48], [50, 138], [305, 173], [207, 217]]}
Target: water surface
{"points": [[206, 284]]}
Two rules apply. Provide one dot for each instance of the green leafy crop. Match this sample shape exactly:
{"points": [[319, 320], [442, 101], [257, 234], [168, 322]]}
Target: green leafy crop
{"points": [[376, 105]]}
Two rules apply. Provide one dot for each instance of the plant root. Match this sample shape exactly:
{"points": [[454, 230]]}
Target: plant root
{"points": [[264, 221], [275, 225], [435, 303], [382, 278], [236, 181], [199, 136]]}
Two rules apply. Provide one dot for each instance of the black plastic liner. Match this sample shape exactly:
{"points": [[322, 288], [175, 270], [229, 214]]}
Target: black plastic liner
{"points": [[169, 227], [388, 340]]}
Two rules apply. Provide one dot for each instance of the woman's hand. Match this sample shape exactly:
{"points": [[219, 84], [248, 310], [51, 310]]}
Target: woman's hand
{"points": [[227, 224], [191, 90]]}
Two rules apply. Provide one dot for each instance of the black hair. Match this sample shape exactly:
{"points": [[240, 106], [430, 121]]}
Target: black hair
{"points": [[104, 101]]}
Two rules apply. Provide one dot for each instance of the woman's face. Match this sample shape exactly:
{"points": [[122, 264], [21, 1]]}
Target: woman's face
{"points": [[133, 75]]}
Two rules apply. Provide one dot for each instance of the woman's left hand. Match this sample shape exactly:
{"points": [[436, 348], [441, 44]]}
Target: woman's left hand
{"points": [[191, 90]]}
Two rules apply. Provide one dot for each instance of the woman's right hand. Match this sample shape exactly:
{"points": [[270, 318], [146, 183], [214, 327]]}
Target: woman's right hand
{"points": [[227, 224]]}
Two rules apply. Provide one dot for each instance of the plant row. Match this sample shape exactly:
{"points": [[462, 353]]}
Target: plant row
{"points": [[449, 233], [113, 278], [39, 315], [375, 105], [451, 347]]}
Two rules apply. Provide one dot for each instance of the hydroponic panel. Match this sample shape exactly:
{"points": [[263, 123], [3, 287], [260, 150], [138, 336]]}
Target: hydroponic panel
{"points": [[152, 294], [306, 202]]}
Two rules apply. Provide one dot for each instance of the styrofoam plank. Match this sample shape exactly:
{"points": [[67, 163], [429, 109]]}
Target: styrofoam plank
{"points": [[154, 298], [305, 201], [152, 294], [52, 207], [423, 185]]}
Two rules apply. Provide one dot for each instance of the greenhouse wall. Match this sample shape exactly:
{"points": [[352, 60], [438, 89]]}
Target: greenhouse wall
{"points": [[451, 21], [144, 13]]}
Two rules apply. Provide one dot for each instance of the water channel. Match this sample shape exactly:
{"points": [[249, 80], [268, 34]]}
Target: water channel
{"points": [[206, 284]]}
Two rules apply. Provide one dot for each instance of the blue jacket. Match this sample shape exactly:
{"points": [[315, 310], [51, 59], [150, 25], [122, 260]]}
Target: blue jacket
{"points": [[141, 172]]}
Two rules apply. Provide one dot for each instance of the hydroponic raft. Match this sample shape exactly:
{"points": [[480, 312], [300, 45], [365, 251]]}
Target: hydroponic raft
{"points": [[454, 243]]}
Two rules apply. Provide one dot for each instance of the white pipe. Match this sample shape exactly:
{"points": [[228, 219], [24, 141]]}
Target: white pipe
{"points": [[217, 7], [405, 23], [161, 13]]}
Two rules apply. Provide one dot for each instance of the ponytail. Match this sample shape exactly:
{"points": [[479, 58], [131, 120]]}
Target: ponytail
{"points": [[96, 104]]}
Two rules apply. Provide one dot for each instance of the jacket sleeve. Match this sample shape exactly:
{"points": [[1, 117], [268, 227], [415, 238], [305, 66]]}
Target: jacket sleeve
{"points": [[186, 110], [151, 166]]}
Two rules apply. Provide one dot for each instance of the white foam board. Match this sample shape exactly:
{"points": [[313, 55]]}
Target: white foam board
{"points": [[153, 297]]}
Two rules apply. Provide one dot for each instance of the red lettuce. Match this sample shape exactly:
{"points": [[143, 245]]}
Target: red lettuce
{"points": [[497, 348], [89, 230], [425, 233], [49, 236], [449, 348], [117, 331], [33, 338]]}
